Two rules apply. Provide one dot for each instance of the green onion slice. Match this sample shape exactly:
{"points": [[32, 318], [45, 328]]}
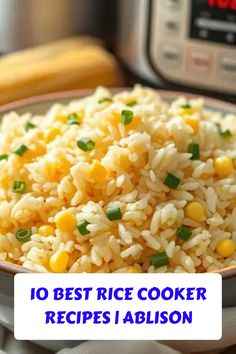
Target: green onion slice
{"points": [[114, 213], [184, 233], [20, 150], [105, 99], [159, 259], [82, 227], [72, 119], [126, 116], [3, 157], [224, 133], [194, 149], [73, 122], [186, 106], [86, 144], [131, 103], [23, 235], [18, 187], [172, 181], [29, 126]]}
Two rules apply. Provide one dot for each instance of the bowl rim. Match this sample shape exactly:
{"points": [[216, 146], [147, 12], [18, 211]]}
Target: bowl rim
{"points": [[11, 268]]}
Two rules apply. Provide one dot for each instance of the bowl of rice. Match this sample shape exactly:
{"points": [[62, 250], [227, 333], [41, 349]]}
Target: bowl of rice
{"points": [[116, 181]]}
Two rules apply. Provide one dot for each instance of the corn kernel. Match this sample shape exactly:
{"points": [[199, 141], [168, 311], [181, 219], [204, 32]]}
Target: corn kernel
{"points": [[223, 166], [226, 248], [114, 118], [46, 230], [50, 134], [63, 164], [60, 118], [184, 111], [97, 171], [124, 161], [133, 269], [192, 122], [38, 150], [134, 124], [80, 115], [51, 170], [65, 221], [195, 211], [59, 261]]}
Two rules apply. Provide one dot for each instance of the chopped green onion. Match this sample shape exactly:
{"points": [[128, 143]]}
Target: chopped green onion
{"points": [[131, 103], [184, 233], [20, 150], [85, 144], [194, 150], [73, 122], [224, 133], [126, 116], [186, 106], [172, 181], [18, 187], [3, 157], [105, 99], [82, 227], [72, 119], [114, 213], [159, 259], [29, 126], [23, 235]]}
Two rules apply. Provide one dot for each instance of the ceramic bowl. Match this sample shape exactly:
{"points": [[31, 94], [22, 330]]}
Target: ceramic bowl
{"points": [[39, 105]]}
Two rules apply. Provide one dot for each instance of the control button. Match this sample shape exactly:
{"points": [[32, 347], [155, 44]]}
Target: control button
{"points": [[229, 37], [171, 25], [199, 61], [173, 3], [171, 55], [228, 65], [203, 33]]}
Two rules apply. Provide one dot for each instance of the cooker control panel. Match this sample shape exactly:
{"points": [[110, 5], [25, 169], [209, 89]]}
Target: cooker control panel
{"points": [[193, 42]]}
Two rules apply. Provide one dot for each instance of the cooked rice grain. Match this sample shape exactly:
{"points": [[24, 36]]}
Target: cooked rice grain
{"points": [[137, 157]]}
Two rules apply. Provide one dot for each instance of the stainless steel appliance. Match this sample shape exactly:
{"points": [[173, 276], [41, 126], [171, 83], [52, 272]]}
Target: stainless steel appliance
{"points": [[180, 43], [26, 23]]}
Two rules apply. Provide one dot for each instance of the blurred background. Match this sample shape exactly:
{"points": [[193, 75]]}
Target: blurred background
{"points": [[56, 45]]}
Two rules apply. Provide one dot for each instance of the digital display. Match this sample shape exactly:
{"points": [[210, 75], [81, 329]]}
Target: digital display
{"points": [[223, 4], [214, 21]]}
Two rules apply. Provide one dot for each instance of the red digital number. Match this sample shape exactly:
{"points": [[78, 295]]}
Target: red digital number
{"points": [[223, 4], [233, 4]]}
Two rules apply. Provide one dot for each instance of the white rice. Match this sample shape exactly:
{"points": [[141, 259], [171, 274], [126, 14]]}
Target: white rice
{"points": [[137, 156]]}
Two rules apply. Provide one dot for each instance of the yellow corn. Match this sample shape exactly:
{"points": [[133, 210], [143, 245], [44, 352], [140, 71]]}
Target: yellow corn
{"points": [[185, 111], [124, 161], [133, 269], [46, 230], [223, 166], [195, 211], [60, 118], [59, 261], [192, 122], [134, 124], [50, 134], [38, 150], [63, 164], [80, 115], [226, 248], [97, 171], [51, 170], [65, 221]]}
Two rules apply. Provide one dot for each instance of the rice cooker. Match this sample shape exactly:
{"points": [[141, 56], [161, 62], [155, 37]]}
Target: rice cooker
{"points": [[183, 44]]}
